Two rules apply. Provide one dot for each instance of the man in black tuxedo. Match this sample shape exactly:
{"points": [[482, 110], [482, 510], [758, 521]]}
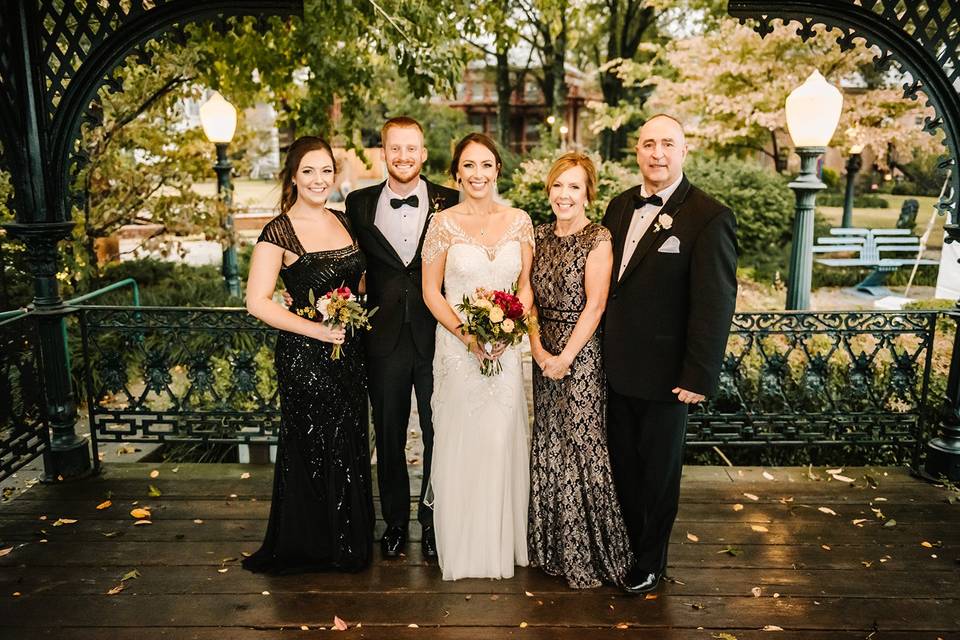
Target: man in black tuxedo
{"points": [[671, 301], [390, 220]]}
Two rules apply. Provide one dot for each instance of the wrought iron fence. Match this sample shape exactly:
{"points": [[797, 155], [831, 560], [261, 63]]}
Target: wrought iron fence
{"points": [[179, 374], [822, 378], [23, 427], [158, 374]]}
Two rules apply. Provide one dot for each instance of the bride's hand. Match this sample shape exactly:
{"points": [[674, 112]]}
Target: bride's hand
{"points": [[498, 349], [333, 335]]}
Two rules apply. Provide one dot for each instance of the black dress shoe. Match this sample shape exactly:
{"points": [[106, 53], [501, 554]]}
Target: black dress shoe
{"points": [[641, 581], [392, 541], [429, 542]]}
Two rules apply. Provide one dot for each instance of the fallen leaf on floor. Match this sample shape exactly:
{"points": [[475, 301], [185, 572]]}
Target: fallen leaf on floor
{"points": [[245, 475], [926, 544], [175, 469], [117, 589], [879, 499], [6, 551], [890, 523], [866, 563], [106, 504], [153, 492], [858, 521], [756, 591], [771, 627], [16, 594], [840, 478], [140, 523], [528, 594], [338, 624], [724, 636], [651, 596], [304, 627], [494, 597], [731, 551], [759, 528], [827, 510], [245, 554], [523, 625], [467, 597], [140, 513], [130, 575], [622, 625], [223, 570], [413, 625], [786, 500], [750, 496], [695, 605], [825, 547], [266, 593], [198, 521], [738, 507], [62, 521], [834, 472], [109, 534], [692, 537], [768, 475], [871, 481]]}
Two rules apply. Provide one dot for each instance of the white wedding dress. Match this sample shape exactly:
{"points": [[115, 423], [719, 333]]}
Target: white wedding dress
{"points": [[480, 476]]}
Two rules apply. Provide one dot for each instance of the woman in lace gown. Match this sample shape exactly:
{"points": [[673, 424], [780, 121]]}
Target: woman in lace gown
{"points": [[576, 529], [321, 514], [480, 471]]}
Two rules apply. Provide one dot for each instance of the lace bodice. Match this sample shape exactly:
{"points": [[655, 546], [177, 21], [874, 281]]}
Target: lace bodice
{"points": [[469, 263]]}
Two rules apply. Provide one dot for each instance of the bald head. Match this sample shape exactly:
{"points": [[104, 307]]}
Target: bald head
{"points": [[661, 150]]}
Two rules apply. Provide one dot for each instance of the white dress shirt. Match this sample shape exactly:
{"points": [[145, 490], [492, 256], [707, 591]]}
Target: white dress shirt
{"points": [[402, 227], [642, 220]]}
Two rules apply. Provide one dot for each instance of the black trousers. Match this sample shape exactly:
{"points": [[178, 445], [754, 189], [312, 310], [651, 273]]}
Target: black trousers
{"points": [[646, 441], [391, 379]]}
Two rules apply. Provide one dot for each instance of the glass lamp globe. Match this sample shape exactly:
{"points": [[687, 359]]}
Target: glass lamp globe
{"points": [[813, 111], [219, 119]]}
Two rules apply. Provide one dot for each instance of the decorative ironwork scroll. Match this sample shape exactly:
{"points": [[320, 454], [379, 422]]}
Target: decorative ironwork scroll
{"points": [[163, 374], [822, 378], [23, 427], [922, 37]]}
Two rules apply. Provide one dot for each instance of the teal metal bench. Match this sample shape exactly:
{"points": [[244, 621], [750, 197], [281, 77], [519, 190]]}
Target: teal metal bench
{"points": [[872, 248]]}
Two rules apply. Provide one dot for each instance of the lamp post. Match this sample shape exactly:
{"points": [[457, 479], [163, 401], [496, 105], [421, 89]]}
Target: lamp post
{"points": [[219, 120], [813, 111], [854, 164]]}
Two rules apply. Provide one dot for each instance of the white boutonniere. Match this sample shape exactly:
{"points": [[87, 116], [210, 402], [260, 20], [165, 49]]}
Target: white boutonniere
{"points": [[436, 204], [664, 221]]}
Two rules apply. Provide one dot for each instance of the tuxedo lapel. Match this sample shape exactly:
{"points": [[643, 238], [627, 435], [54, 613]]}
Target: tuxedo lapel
{"points": [[370, 216], [653, 238]]}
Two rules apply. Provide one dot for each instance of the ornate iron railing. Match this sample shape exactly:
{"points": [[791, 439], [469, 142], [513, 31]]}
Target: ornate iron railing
{"points": [[23, 427], [158, 374], [189, 374], [822, 378]]}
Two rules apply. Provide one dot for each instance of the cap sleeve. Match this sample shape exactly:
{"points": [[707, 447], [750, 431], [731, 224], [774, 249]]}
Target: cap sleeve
{"points": [[437, 240], [525, 232], [598, 234], [279, 231]]}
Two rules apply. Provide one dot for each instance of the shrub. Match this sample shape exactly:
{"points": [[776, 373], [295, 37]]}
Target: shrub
{"points": [[761, 200], [168, 284], [862, 201]]}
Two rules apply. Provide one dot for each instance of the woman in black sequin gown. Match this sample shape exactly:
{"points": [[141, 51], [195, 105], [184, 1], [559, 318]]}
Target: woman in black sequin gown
{"points": [[321, 514]]}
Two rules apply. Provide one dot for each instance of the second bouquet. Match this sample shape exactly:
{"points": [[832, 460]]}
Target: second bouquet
{"points": [[493, 317], [339, 307]]}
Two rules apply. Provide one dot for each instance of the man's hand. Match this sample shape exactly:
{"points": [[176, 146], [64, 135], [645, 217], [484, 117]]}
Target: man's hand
{"points": [[688, 397], [287, 298]]}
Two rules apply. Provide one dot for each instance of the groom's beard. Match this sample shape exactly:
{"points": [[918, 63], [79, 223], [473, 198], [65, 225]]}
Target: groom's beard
{"points": [[408, 177]]}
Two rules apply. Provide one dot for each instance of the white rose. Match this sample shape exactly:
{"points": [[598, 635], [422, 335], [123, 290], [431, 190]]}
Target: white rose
{"points": [[483, 303], [322, 307], [507, 325], [666, 220], [496, 314]]}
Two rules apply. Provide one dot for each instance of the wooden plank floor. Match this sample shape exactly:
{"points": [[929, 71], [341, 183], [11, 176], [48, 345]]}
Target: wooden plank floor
{"points": [[752, 549]]}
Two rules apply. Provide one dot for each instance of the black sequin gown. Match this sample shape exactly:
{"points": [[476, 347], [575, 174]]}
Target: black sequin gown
{"points": [[321, 514]]}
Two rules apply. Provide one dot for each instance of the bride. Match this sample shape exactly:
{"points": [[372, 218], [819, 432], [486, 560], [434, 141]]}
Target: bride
{"points": [[480, 473]]}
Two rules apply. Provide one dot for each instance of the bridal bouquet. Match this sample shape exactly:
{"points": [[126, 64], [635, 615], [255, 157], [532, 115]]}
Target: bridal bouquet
{"points": [[339, 307], [492, 317]]}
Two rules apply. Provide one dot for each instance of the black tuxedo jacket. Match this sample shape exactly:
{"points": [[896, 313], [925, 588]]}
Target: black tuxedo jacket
{"points": [[668, 318], [392, 285]]}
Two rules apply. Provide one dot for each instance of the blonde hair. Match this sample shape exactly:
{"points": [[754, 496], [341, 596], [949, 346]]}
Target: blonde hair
{"points": [[569, 161]]}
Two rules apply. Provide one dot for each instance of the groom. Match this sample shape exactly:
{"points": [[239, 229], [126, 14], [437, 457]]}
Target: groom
{"points": [[390, 220], [672, 297]]}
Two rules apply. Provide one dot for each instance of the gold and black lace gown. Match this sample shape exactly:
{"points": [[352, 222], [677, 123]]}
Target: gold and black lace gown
{"points": [[321, 514], [575, 526]]}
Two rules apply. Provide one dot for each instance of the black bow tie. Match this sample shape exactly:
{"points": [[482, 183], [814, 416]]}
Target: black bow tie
{"points": [[639, 200], [412, 201]]}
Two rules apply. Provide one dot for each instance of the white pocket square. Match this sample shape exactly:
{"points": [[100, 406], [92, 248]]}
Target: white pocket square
{"points": [[670, 245]]}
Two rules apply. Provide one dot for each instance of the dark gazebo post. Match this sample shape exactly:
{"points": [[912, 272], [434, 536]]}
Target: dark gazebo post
{"points": [[921, 37], [54, 57], [854, 164]]}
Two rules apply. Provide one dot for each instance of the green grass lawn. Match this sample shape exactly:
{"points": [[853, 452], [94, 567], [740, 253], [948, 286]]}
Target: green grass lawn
{"points": [[887, 218]]}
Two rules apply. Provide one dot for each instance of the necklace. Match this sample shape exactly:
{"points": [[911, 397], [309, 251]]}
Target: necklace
{"points": [[486, 221]]}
